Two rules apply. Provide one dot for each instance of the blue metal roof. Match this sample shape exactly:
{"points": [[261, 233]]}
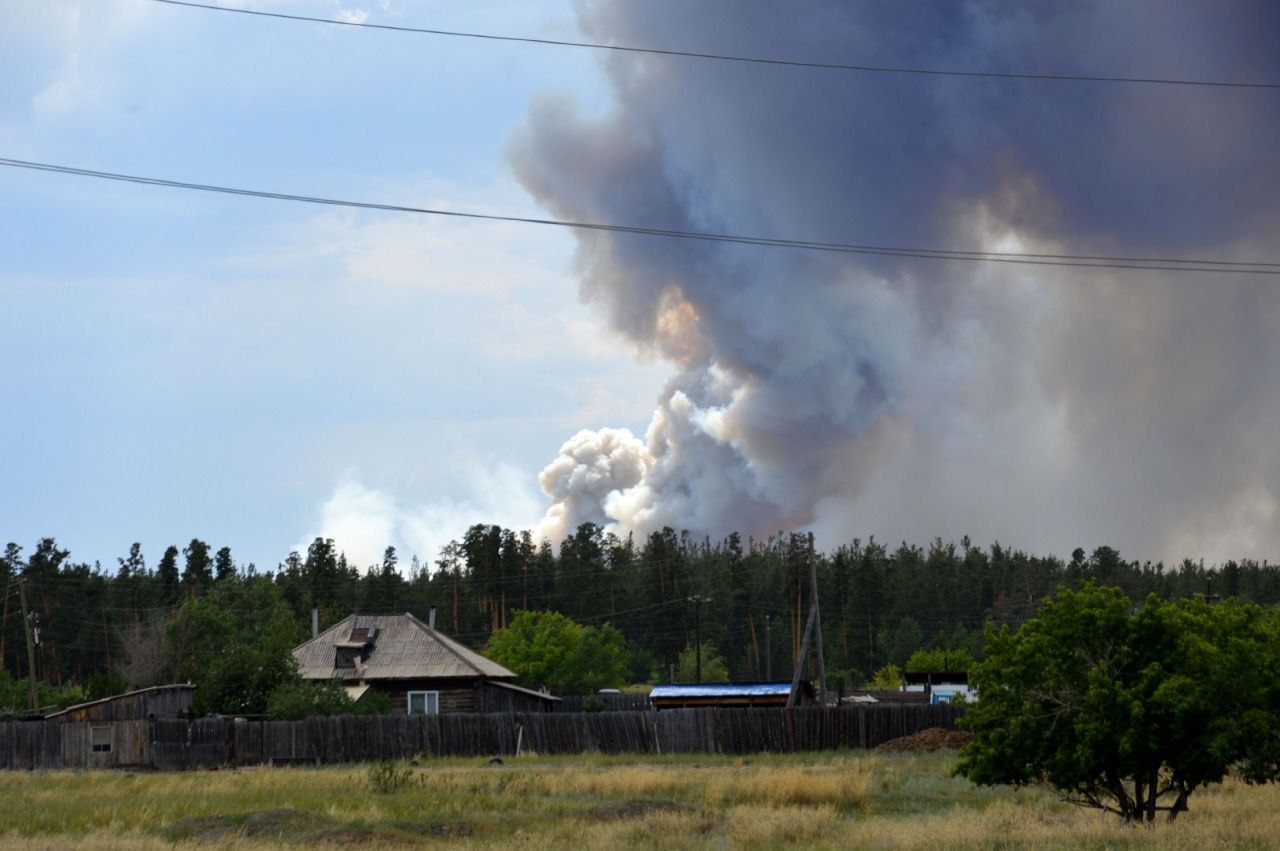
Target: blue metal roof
{"points": [[720, 690]]}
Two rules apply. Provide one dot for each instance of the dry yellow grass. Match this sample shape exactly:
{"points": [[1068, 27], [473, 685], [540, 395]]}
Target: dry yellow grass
{"points": [[822, 801]]}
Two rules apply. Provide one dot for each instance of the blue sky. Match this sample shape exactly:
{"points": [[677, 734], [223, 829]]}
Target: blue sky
{"points": [[255, 373]]}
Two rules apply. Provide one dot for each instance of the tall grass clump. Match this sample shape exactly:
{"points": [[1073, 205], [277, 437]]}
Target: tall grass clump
{"points": [[386, 778], [845, 789]]}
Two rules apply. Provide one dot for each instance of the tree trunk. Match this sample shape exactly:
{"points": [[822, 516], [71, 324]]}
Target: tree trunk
{"points": [[1180, 805]]}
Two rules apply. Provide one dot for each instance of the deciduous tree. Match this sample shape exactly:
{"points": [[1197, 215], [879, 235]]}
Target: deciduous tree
{"points": [[547, 648], [1126, 710]]}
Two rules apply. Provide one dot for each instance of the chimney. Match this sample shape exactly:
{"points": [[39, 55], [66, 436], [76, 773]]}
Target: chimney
{"points": [[431, 619], [315, 620]]}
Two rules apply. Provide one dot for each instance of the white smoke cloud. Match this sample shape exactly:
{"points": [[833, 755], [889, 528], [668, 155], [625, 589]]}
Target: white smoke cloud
{"points": [[363, 521]]}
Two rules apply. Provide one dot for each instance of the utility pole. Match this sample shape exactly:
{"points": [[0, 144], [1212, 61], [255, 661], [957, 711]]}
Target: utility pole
{"points": [[697, 626], [768, 651], [817, 626], [812, 627], [31, 651], [804, 654]]}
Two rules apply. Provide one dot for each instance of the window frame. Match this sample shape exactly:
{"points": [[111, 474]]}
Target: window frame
{"points": [[97, 747], [431, 702]]}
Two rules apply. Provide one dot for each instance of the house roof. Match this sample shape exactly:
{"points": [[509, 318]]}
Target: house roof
{"points": [[684, 690], [529, 692], [402, 648], [124, 696]]}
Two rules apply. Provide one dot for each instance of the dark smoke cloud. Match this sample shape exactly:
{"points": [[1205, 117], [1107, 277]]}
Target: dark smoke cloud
{"points": [[913, 398]]}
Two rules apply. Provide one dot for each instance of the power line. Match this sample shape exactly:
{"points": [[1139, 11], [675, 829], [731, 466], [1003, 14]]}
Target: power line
{"points": [[1161, 264], [727, 57]]}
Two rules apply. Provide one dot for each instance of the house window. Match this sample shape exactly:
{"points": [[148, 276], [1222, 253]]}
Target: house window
{"points": [[100, 739], [424, 703]]}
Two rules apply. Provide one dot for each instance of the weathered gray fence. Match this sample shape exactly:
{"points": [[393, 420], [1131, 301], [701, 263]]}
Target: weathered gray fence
{"points": [[215, 742], [604, 703]]}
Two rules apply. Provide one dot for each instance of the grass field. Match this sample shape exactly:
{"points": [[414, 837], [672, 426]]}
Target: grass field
{"points": [[835, 801]]}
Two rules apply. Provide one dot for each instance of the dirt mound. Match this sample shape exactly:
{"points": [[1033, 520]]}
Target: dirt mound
{"points": [[932, 739]]}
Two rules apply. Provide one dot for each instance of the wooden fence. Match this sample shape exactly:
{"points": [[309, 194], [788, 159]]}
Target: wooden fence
{"points": [[604, 703], [215, 742]]}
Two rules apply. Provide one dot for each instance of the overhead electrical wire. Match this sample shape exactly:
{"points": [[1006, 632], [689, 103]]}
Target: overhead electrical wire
{"points": [[1161, 264], [727, 57]]}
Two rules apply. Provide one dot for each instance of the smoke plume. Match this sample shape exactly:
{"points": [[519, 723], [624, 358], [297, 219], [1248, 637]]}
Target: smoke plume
{"points": [[1044, 407]]}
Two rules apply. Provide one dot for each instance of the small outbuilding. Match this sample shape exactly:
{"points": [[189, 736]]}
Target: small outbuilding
{"points": [[684, 695], [421, 669], [938, 686], [144, 704]]}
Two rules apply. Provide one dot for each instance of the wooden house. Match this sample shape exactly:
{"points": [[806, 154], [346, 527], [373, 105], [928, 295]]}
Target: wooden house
{"points": [[421, 669]]}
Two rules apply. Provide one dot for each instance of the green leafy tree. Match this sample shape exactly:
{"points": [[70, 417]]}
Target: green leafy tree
{"points": [[235, 644], [938, 659], [714, 669], [888, 678], [547, 648], [1128, 711]]}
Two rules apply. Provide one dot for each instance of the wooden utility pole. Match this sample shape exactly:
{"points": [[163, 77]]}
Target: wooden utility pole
{"points": [[768, 652], [817, 626], [31, 650], [800, 658], [812, 628]]}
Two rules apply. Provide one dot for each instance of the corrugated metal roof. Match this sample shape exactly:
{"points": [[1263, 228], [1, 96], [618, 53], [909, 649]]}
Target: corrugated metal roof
{"points": [[721, 690], [404, 649]]}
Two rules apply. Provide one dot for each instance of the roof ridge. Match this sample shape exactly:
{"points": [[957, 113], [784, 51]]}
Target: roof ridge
{"points": [[445, 642]]}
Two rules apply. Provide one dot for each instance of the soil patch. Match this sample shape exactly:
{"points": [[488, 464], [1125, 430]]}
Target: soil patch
{"points": [[932, 739]]}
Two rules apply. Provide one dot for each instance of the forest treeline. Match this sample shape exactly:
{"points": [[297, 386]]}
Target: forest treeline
{"points": [[138, 622]]}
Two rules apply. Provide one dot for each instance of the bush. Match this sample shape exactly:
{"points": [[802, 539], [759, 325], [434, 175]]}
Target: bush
{"points": [[297, 699], [373, 702], [888, 678]]}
